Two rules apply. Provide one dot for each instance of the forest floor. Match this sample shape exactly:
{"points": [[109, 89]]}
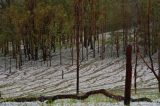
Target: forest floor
{"points": [[37, 79]]}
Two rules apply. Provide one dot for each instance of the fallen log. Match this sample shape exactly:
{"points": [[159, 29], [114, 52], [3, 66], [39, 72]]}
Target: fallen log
{"points": [[74, 96]]}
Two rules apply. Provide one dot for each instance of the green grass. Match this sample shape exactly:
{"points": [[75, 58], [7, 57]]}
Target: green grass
{"points": [[99, 98], [102, 99], [91, 99], [148, 93]]}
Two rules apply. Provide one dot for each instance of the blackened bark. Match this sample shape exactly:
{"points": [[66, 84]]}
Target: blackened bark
{"points": [[103, 45], [44, 54], [117, 44], [135, 73], [93, 8], [10, 62], [60, 43], [72, 45], [36, 54], [13, 51], [128, 75], [78, 22], [62, 74], [98, 40]]}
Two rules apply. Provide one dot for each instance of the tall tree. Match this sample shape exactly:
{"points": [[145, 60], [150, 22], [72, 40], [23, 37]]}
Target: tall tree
{"points": [[78, 18]]}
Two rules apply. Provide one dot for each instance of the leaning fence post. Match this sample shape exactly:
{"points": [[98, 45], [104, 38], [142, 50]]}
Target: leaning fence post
{"points": [[128, 75]]}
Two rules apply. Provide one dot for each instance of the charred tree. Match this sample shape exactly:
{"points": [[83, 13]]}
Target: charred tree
{"points": [[128, 80], [78, 20]]}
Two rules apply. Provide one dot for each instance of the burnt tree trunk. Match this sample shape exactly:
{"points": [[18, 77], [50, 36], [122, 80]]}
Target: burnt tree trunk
{"points": [[117, 44], [135, 72], [78, 20], [128, 75], [93, 27], [72, 47], [60, 51]]}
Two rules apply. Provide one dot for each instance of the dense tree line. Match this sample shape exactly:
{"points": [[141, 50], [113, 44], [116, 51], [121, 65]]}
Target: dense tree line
{"points": [[37, 28]]}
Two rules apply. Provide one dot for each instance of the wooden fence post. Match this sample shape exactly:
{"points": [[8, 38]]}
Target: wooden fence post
{"points": [[128, 75]]}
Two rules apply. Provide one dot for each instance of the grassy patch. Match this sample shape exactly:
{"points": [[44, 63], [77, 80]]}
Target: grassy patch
{"points": [[92, 99], [99, 98]]}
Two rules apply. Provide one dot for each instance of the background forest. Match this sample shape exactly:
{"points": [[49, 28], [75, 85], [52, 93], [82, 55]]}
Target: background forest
{"points": [[43, 26]]}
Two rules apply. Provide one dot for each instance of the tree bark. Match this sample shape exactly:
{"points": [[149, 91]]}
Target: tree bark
{"points": [[78, 20], [128, 80]]}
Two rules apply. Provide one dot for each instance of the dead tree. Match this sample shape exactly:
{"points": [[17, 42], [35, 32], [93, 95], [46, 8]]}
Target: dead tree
{"points": [[149, 42], [93, 23], [128, 75], [78, 20]]}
